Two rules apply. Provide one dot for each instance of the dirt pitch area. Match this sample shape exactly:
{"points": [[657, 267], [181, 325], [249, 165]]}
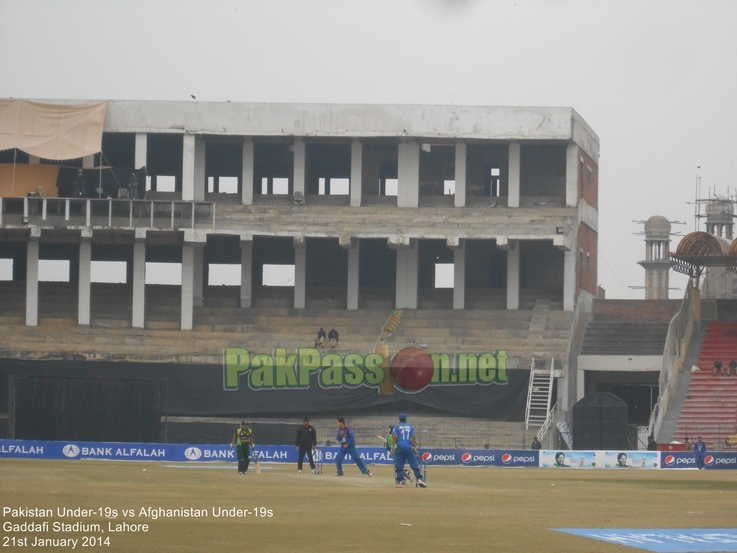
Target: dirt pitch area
{"points": [[463, 509]]}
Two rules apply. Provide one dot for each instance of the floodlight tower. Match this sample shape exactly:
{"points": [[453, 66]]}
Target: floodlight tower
{"points": [[657, 262]]}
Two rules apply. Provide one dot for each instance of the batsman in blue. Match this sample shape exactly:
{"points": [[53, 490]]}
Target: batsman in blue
{"points": [[406, 451]]}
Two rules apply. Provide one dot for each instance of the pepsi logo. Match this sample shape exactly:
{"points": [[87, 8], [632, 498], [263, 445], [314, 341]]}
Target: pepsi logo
{"points": [[427, 456], [466, 457], [670, 460], [709, 460], [506, 458]]}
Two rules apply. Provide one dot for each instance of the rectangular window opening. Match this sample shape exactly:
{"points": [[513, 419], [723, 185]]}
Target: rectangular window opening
{"points": [[165, 183], [6, 269], [168, 274], [281, 186], [444, 275], [391, 187], [53, 270], [228, 185], [223, 274], [108, 272], [278, 275]]}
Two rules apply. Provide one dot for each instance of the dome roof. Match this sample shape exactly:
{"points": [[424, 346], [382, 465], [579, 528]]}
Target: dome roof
{"points": [[657, 226]]}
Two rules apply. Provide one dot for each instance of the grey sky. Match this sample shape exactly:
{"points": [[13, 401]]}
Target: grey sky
{"points": [[656, 80]]}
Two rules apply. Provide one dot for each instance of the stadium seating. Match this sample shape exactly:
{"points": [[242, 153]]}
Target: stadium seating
{"points": [[710, 409]]}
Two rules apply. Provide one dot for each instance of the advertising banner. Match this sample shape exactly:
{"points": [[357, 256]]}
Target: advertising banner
{"points": [[283, 383], [687, 460], [183, 453]]}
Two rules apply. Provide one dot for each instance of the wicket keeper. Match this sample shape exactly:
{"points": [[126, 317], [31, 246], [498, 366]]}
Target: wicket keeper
{"points": [[406, 451], [243, 441]]}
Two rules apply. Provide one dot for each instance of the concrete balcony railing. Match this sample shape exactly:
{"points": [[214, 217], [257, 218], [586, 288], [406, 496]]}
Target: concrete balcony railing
{"points": [[90, 212]]}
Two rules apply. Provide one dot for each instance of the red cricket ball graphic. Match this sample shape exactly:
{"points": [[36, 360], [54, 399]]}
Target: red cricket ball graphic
{"points": [[412, 368]]}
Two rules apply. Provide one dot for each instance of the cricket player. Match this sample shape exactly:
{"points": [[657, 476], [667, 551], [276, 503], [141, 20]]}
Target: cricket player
{"points": [[699, 450], [347, 443], [243, 442], [406, 451]]}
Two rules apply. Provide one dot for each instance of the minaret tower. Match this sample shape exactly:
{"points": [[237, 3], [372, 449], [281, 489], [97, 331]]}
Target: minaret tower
{"points": [[657, 262]]}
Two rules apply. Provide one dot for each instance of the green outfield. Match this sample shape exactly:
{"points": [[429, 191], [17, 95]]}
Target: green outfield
{"points": [[463, 509]]}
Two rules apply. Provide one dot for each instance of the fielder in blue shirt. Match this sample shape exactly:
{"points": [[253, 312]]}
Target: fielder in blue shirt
{"points": [[406, 444], [347, 443], [699, 449]]}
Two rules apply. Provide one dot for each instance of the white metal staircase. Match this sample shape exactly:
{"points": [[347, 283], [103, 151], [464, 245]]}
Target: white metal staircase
{"points": [[539, 395]]}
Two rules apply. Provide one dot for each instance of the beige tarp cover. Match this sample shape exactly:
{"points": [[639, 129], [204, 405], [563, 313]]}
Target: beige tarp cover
{"points": [[52, 131], [18, 180]]}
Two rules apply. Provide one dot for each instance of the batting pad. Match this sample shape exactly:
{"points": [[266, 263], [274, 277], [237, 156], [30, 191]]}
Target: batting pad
{"points": [[664, 540]]}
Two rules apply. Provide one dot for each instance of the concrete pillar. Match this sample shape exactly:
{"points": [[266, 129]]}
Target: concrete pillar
{"points": [[246, 271], [513, 275], [459, 275], [187, 316], [193, 168], [408, 174], [199, 275], [354, 256], [406, 297], [141, 155], [85, 281], [247, 175], [139, 278], [580, 384], [32, 278], [460, 174], [569, 279], [300, 271], [200, 182], [572, 175], [514, 174], [356, 173], [300, 164]]}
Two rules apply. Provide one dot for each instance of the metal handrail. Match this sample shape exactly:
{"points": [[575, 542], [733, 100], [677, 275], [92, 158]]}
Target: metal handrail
{"points": [[529, 394], [36, 210]]}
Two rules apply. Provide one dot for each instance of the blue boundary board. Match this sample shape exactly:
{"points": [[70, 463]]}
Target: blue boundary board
{"points": [[664, 540]]}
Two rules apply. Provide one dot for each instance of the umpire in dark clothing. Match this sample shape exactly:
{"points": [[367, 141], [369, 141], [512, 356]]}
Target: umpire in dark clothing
{"points": [[306, 441]]}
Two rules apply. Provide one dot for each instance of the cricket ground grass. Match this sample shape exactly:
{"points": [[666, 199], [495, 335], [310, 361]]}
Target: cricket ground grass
{"points": [[462, 509]]}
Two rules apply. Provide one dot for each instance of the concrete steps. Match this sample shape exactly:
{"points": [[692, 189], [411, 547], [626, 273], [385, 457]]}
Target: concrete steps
{"points": [[264, 329]]}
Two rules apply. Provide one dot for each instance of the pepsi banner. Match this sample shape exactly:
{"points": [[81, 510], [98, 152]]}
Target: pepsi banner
{"points": [[687, 460], [480, 457]]}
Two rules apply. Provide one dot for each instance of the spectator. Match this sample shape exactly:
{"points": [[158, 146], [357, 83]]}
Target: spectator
{"points": [[718, 367], [333, 337], [652, 445], [79, 186], [536, 444], [133, 187], [732, 367], [320, 341]]}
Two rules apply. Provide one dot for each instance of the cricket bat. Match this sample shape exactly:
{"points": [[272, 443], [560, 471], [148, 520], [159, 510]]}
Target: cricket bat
{"points": [[255, 461], [382, 438]]}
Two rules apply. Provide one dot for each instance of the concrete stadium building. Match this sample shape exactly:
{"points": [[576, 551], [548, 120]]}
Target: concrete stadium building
{"points": [[478, 223]]}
